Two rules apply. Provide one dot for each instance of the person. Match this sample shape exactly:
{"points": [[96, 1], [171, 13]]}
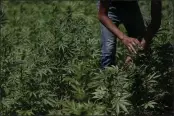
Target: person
{"points": [[112, 13]]}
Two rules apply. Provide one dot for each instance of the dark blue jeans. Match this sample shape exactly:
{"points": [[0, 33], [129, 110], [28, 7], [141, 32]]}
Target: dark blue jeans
{"points": [[127, 13]]}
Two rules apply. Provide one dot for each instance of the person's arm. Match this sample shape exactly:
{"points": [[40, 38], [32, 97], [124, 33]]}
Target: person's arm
{"points": [[153, 27], [107, 22]]}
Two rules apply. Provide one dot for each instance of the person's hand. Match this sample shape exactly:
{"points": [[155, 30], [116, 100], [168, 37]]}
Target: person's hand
{"points": [[131, 43]]}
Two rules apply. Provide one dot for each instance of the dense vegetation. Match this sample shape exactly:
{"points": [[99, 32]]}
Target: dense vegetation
{"points": [[50, 63]]}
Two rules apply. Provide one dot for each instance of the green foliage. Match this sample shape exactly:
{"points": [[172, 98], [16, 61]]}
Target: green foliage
{"points": [[49, 64]]}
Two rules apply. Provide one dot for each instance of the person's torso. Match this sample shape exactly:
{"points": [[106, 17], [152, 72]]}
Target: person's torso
{"points": [[121, 2]]}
